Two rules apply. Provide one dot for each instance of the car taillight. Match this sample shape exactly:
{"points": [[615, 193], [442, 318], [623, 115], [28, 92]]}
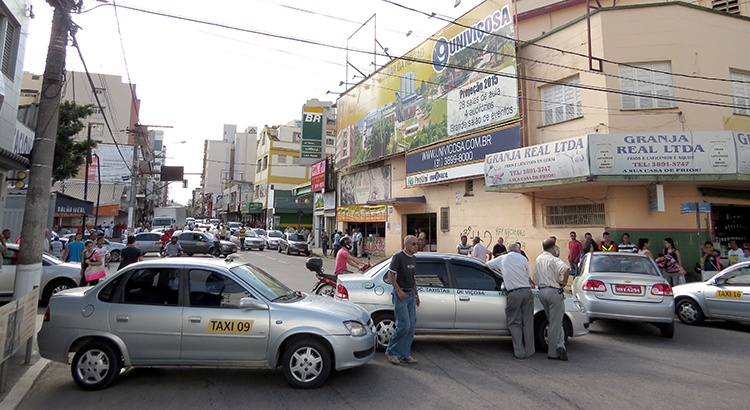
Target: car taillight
{"points": [[46, 315], [594, 286], [662, 289], [341, 292]]}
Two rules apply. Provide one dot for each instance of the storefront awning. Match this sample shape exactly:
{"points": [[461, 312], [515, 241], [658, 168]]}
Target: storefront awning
{"points": [[400, 200], [725, 193]]}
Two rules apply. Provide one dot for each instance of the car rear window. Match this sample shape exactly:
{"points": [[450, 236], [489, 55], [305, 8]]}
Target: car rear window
{"points": [[623, 264]]}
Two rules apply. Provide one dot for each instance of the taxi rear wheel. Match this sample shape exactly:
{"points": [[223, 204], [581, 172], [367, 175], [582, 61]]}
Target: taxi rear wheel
{"points": [[95, 366], [385, 325], [541, 332], [307, 364], [326, 290], [689, 312]]}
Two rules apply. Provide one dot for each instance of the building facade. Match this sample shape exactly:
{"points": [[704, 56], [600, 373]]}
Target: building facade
{"points": [[624, 141]]}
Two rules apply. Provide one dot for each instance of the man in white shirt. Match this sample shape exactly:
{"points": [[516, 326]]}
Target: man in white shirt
{"points": [[551, 275], [519, 306], [734, 252], [479, 251]]}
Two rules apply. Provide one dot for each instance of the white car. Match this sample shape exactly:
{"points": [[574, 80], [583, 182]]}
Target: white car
{"points": [[56, 275], [725, 296], [459, 295]]}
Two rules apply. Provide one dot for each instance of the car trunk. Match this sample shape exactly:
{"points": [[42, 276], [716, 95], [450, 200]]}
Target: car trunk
{"points": [[628, 287]]}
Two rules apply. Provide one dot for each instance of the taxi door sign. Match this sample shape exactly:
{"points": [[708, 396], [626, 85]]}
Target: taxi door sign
{"points": [[729, 294], [237, 327]]}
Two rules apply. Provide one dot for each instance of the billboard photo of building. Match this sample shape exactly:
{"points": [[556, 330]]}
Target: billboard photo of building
{"points": [[462, 79]]}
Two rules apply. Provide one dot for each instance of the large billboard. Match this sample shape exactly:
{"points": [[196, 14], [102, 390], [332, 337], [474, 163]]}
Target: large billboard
{"points": [[370, 185], [311, 143], [460, 80]]}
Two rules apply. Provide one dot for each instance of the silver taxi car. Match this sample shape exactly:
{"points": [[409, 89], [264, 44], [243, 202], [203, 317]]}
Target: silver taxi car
{"points": [[625, 286], [725, 296], [202, 312], [459, 295]]}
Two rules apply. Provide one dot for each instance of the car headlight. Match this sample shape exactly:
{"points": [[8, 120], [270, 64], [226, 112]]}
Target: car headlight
{"points": [[355, 328], [580, 306]]}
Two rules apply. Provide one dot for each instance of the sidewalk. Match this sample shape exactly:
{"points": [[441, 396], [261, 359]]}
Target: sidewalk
{"points": [[19, 377]]}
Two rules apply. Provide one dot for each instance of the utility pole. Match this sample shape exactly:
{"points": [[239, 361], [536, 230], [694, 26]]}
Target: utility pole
{"points": [[29, 271]]}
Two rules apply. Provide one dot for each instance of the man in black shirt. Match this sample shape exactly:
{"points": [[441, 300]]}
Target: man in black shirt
{"points": [[499, 248], [405, 301], [131, 254]]}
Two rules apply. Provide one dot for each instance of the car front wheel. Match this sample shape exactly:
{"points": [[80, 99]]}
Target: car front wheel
{"points": [[306, 364], [114, 256], [95, 366], [385, 325], [57, 285], [689, 312]]}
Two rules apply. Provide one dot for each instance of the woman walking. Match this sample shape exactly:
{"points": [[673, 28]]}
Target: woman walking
{"points": [[92, 265]]}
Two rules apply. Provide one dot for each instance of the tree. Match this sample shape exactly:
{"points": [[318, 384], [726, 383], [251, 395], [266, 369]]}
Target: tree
{"points": [[70, 154]]}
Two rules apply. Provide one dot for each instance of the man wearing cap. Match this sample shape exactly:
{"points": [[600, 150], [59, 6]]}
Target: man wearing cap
{"points": [[479, 251]]}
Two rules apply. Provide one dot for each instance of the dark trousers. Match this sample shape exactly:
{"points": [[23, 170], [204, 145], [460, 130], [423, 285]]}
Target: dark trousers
{"points": [[336, 249]]}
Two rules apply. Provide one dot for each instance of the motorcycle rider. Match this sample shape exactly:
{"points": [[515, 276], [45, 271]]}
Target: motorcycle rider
{"points": [[343, 257]]}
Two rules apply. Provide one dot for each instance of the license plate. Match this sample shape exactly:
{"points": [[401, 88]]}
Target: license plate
{"points": [[729, 294], [629, 289]]}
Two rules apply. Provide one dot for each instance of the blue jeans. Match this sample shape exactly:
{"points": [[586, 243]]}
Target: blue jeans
{"points": [[573, 268], [405, 312]]}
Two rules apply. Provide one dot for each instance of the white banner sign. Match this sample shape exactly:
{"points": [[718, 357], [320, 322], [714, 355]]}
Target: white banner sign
{"points": [[672, 153], [555, 160], [484, 102]]}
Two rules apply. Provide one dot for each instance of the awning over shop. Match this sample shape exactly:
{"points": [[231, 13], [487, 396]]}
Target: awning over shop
{"points": [[66, 205], [13, 161], [400, 200], [107, 210], [725, 193], [362, 213]]}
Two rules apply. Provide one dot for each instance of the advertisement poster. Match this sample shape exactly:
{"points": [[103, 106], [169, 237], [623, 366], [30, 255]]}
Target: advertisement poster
{"points": [[461, 79], [106, 158], [362, 213], [370, 185], [318, 175], [675, 153], [555, 160], [742, 142], [459, 158]]}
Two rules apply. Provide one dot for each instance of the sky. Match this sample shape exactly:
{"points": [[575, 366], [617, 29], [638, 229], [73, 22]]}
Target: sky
{"points": [[196, 77]]}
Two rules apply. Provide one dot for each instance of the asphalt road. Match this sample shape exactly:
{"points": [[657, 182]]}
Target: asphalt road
{"points": [[616, 366]]}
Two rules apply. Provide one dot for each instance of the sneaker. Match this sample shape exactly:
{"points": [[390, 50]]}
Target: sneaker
{"points": [[409, 360], [393, 359], [562, 354]]}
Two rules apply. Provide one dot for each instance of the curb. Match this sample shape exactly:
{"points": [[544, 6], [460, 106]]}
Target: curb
{"points": [[23, 386]]}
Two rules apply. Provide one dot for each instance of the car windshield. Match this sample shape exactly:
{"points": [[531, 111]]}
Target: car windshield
{"points": [[261, 281], [295, 237], [251, 234], [275, 234], [622, 264], [260, 232]]}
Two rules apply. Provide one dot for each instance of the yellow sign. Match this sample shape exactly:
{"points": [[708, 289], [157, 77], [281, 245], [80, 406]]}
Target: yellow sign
{"points": [[237, 327], [362, 213], [729, 294]]}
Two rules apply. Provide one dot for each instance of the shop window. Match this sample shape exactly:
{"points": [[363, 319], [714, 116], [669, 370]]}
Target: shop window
{"points": [[445, 224], [574, 215], [561, 101], [741, 91], [649, 85]]}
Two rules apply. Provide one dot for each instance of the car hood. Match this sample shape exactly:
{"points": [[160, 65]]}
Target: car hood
{"points": [[228, 243], [688, 289], [328, 306], [297, 243]]}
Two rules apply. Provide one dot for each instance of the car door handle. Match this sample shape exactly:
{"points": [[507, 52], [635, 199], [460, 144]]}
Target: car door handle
{"points": [[194, 319], [463, 298], [123, 319]]}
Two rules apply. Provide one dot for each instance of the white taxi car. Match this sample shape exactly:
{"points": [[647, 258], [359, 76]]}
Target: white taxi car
{"points": [[202, 312]]}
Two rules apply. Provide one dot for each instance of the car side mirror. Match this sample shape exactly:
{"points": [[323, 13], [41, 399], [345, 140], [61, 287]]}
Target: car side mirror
{"points": [[252, 304]]}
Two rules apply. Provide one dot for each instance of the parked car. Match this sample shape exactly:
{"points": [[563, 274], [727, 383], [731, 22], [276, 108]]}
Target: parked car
{"points": [[207, 312], [294, 242], [724, 296], [148, 242], [625, 286], [273, 238], [459, 295], [56, 275], [253, 241]]}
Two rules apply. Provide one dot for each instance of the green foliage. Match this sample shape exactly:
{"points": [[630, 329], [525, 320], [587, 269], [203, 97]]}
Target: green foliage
{"points": [[430, 134], [70, 154]]}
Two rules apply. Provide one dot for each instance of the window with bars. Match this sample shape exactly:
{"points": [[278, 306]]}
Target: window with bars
{"points": [[9, 29], [561, 101], [741, 91], [727, 6], [574, 215], [650, 85], [445, 224]]}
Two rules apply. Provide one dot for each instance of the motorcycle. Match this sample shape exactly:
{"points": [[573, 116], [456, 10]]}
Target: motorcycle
{"points": [[326, 285]]}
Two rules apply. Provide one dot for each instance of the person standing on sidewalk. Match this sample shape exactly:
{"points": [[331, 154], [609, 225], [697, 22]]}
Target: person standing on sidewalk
{"points": [[519, 308], [336, 243], [574, 253], [324, 243], [551, 275], [405, 301]]}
